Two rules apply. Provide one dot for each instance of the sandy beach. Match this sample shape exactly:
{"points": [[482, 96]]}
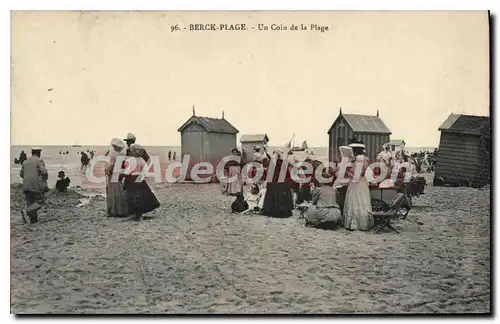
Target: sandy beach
{"points": [[193, 256], [409, 89]]}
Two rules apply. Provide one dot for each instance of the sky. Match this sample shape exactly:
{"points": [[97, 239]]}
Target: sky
{"points": [[87, 77]]}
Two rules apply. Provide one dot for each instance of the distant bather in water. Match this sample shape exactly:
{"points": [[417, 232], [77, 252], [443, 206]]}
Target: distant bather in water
{"points": [[84, 160]]}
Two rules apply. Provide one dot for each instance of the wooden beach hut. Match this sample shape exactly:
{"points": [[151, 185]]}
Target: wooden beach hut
{"points": [[206, 139], [248, 142], [464, 151], [397, 145], [369, 129]]}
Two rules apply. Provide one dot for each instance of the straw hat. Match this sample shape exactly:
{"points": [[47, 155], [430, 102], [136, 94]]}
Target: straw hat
{"points": [[118, 143], [357, 145], [130, 137], [36, 148]]}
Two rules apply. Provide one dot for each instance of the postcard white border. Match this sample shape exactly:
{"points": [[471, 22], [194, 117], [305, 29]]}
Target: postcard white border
{"points": [[186, 5]]}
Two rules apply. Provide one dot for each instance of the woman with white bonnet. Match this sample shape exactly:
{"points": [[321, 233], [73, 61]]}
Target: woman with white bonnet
{"points": [[233, 170], [357, 206], [140, 198], [115, 195]]}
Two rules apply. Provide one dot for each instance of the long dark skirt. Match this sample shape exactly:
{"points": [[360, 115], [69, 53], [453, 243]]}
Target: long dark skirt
{"points": [[303, 194], [140, 198], [278, 201]]}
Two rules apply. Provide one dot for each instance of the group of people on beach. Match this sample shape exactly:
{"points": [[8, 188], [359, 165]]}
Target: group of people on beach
{"points": [[425, 160], [275, 198], [279, 201], [275, 195], [170, 156], [125, 197], [21, 159]]}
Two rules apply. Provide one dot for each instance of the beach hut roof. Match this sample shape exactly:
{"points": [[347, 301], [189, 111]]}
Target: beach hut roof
{"points": [[365, 124], [213, 125], [254, 138], [467, 124]]}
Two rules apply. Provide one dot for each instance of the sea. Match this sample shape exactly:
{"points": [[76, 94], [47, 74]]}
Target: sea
{"points": [[67, 159]]}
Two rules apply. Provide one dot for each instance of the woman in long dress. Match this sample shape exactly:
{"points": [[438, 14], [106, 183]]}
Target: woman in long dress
{"points": [[233, 168], [357, 206], [140, 198], [278, 200], [115, 195], [387, 159]]}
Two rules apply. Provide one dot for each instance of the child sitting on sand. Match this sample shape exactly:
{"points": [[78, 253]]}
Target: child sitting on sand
{"points": [[63, 182], [239, 205], [252, 199]]}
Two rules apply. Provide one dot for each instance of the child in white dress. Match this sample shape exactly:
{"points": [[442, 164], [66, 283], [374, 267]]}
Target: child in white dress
{"points": [[252, 199]]}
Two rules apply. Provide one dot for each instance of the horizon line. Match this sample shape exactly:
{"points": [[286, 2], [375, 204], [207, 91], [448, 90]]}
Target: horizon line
{"points": [[179, 145]]}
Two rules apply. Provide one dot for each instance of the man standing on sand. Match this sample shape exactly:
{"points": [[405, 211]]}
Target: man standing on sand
{"points": [[34, 174], [169, 156], [130, 139]]}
